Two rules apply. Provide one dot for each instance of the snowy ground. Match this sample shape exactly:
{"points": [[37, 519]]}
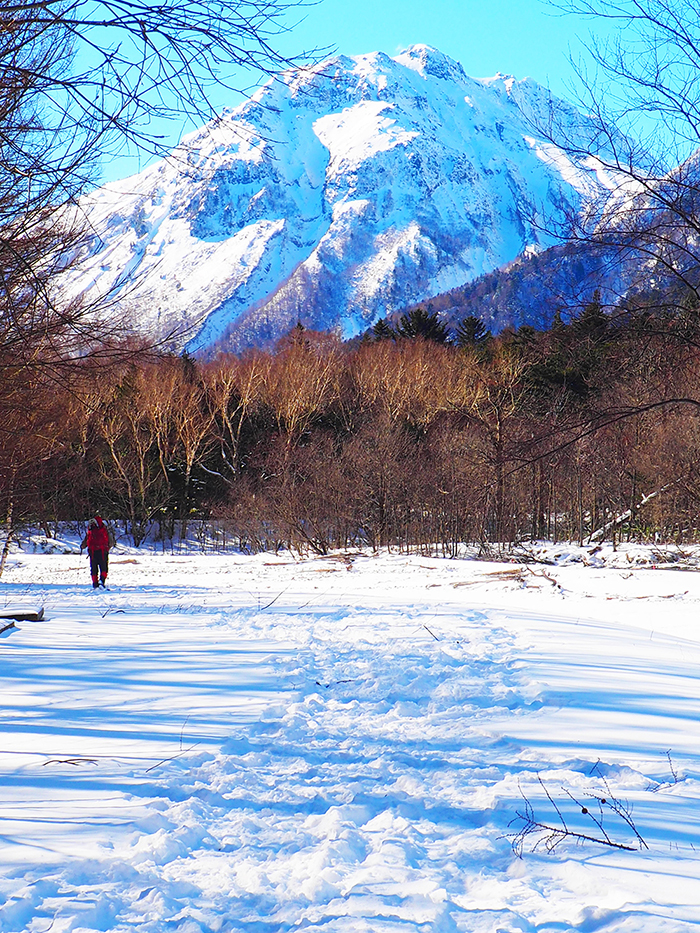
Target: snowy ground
{"points": [[262, 744]]}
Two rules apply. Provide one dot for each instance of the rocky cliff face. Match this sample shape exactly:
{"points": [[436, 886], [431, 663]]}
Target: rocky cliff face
{"points": [[333, 197]]}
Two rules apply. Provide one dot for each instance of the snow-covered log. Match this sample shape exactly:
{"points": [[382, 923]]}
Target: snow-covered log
{"points": [[620, 519]]}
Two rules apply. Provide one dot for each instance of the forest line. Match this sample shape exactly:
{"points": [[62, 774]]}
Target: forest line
{"points": [[585, 431]]}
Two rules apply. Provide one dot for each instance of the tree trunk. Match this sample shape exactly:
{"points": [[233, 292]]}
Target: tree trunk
{"points": [[8, 521]]}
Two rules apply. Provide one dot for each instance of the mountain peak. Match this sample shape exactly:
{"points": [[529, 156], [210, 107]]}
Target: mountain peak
{"points": [[427, 60]]}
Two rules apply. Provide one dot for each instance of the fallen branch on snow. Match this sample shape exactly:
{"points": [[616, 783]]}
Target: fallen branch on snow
{"points": [[627, 514], [550, 835]]}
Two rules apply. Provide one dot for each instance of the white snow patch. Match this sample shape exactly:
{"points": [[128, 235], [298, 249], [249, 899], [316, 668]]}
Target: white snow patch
{"points": [[359, 132]]}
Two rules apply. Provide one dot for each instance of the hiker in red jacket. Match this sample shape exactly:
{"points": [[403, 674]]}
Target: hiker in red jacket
{"points": [[98, 540]]}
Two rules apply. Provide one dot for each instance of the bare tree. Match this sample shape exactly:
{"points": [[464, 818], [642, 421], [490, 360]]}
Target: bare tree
{"points": [[83, 79], [490, 398], [234, 388], [130, 469], [184, 425], [647, 74], [301, 384], [86, 78], [413, 381]]}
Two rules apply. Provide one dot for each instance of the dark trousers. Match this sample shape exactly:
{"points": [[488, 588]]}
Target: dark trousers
{"points": [[98, 564]]}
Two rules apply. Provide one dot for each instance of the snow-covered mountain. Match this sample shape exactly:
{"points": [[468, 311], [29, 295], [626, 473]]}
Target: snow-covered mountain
{"points": [[334, 196]]}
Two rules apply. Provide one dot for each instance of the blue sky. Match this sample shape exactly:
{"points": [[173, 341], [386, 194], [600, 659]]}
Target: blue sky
{"points": [[519, 37]]}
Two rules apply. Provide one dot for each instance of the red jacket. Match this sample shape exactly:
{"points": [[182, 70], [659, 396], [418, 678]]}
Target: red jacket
{"points": [[98, 538]]}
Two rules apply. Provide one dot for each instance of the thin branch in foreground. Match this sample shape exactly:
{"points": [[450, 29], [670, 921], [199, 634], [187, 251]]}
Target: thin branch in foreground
{"points": [[655, 787], [164, 761], [541, 832]]}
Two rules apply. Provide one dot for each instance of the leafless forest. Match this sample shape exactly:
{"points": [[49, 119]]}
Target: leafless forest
{"points": [[586, 431]]}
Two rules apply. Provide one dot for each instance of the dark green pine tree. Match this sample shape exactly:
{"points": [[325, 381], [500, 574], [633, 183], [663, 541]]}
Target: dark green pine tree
{"points": [[189, 367], [593, 322], [382, 330], [420, 323], [471, 333]]}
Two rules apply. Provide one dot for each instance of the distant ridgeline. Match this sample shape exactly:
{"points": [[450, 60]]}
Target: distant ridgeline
{"points": [[559, 283], [534, 290]]}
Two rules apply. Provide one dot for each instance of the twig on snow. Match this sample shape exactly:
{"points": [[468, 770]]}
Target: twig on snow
{"points": [[550, 835], [69, 761], [655, 787], [172, 758], [182, 731], [262, 608], [670, 764]]}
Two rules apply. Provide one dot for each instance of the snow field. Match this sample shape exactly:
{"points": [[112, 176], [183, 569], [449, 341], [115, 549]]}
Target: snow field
{"points": [[342, 744]]}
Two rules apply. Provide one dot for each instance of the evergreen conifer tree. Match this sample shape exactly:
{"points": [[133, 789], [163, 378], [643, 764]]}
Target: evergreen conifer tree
{"points": [[472, 332], [421, 323], [382, 330]]}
